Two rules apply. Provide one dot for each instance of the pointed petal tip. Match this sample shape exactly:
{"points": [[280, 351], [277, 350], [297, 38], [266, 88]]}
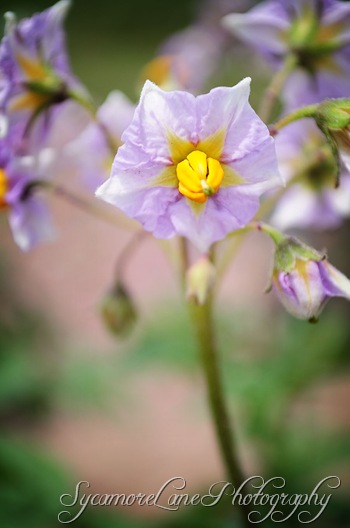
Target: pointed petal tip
{"points": [[246, 81], [231, 21], [10, 21], [60, 9]]}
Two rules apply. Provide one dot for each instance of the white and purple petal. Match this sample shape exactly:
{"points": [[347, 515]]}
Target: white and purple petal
{"points": [[30, 223], [144, 185]]}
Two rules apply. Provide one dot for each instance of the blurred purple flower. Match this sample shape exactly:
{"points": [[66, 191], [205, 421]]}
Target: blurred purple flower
{"points": [[193, 166], [189, 58], [305, 289], [34, 69], [28, 215], [312, 201], [315, 32], [90, 154]]}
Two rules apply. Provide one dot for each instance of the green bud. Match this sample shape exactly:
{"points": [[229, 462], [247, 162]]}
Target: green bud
{"points": [[333, 119], [289, 249], [118, 311], [333, 114], [200, 279]]}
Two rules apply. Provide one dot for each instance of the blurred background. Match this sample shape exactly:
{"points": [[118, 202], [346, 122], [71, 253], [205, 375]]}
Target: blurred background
{"points": [[127, 415]]}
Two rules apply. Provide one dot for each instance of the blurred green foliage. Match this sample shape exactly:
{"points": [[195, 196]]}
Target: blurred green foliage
{"points": [[267, 375], [25, 357]]}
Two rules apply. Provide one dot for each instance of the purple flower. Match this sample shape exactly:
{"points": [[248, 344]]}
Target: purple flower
{"points": [[315, 32], [90, 154], [187, 59], [34, 69], [190, 58], [312, 201], [307, 287], [193, 166], [302, 277], [28, 216]]}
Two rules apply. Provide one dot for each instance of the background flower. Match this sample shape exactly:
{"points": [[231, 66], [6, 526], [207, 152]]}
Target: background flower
{"points": [[314, 32], [305, 289], [34, 69], [313, 200], [28, 215], [91, 153]]}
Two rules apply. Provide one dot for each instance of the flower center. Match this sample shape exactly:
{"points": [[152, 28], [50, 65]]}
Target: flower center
{"points": [[3, 189], [199, 176]]}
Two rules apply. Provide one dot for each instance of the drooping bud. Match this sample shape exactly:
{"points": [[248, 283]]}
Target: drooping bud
{"points": [[333, 118], [200, 279], [333, 114], [118, 311], [303, 278]]}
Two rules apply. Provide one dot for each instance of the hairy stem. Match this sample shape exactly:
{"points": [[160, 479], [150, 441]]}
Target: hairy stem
{"points": [[90, 205], [184, 259], [128, 251], [202, 319], [274, 88], [301, 113]]}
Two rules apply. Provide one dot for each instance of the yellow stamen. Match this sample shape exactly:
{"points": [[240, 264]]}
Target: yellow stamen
{"points": [[169, 72], [199, 176], [27, 101], [32, 69], [3, 189]]}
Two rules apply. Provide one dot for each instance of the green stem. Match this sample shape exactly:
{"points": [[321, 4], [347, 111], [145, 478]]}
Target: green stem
{"points": [[273, 90], [233, 245], [184, 259], [92, 206], [202, 319], [128, 251], [301, 113]]}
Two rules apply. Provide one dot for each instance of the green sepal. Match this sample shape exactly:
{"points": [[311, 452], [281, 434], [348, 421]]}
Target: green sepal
{"points": [[288, 249], [291, 249], [333, 114], [50, 86]]}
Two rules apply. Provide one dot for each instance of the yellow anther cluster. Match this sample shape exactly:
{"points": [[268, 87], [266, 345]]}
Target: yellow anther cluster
{"points": [[199, 176]]}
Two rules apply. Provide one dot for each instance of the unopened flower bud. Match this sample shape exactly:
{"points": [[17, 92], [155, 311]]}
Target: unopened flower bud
{"points": [[333, 118], [334, 114], [303, 278], [118, 311], [200, 279]]}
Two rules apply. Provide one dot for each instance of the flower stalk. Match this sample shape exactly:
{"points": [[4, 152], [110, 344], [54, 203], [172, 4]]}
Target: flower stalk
{"points": [[309, 111], [90, 206], [275, 87], [202, 320]]}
